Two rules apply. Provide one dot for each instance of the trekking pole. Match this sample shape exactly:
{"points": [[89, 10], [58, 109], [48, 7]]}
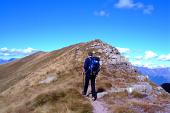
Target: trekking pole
{"points": [[83, 78]]}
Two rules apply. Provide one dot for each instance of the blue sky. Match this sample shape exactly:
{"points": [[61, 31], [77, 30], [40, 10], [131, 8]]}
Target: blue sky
{"points": [[140, 28]]}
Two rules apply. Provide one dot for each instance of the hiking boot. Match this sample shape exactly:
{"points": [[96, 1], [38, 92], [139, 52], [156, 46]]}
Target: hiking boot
{"points": [[94, 98], [83, 93], [89, 94]]}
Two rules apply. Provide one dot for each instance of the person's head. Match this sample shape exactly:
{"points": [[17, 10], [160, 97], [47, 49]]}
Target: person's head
{"points": [[90, 53]]}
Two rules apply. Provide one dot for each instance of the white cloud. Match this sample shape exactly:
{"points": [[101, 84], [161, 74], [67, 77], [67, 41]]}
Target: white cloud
{"points": [[3, 49], [127, 56], [143, 64], [16, 52], [150, 54], [148, 9], [137, 63], [6, 54], [123, 50], [149, 58], [152, 66], [125, 4], [101, 13], [164, 57], [138, 57], [29, 50], [130, 4], [140, 63], [149, 65]]}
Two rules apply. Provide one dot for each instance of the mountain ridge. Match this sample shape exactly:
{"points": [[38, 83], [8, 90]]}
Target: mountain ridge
{"points": [[47, 81]]}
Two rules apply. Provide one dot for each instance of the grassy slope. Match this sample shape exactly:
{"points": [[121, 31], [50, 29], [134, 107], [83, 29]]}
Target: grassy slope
{"points": [[61, 96]]}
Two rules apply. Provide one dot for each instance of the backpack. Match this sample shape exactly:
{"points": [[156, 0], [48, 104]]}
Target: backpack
{"points": [[94, 66]]}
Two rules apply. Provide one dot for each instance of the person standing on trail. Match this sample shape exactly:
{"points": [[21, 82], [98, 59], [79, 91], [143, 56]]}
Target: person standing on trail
{"points": [[91, 69]]}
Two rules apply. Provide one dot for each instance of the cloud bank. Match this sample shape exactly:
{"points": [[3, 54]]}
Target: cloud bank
{"points": [[130, 4], [147, 58], [5, 52], [123, 50], [150, 54], [164, 57]]}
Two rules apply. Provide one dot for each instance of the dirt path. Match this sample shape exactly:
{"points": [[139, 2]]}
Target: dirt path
{"points": [[99, 107]]}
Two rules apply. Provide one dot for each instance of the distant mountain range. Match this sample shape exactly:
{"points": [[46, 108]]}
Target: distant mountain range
{"points": [[3, 61], [156, 75]]}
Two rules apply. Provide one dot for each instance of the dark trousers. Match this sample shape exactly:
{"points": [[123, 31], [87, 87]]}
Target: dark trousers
{"points": [[88, 77]]}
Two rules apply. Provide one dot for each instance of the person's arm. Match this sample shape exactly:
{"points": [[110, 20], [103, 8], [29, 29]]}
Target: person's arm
{"points": [[86, 64]]}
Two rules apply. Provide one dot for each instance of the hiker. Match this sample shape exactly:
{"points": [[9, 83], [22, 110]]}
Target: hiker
{"points": [[91, 69]]}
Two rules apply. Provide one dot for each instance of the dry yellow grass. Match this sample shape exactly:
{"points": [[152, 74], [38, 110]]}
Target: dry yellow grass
{"points": [[120, 95], [57, 101], [123, 109], [103, 84], [164, 96], [136, 94], [112, 97]]}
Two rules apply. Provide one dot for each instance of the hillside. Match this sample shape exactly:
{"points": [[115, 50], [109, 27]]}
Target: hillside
{"points": [[156, 75], [51, 82]]}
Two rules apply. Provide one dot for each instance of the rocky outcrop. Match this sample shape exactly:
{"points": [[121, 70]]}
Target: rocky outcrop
{"points": [[111, 57]]}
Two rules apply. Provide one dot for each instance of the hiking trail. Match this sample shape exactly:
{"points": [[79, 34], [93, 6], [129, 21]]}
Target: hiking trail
{"points": [[99, 107]]}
